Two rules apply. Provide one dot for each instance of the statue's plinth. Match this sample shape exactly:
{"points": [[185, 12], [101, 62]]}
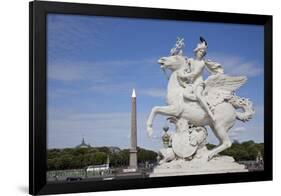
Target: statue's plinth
{"points": [[181, 167]]}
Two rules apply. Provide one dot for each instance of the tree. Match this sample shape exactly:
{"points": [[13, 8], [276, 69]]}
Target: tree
{"points": [[75, 158], [244, 151], [99, 158], [146, 156]]}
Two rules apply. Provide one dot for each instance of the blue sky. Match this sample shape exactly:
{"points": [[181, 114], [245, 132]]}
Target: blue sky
{"points": [[94, 62]]}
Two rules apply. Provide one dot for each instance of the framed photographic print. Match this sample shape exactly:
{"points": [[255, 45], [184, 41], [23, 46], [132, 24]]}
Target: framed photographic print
{"points": [[130, 97]]}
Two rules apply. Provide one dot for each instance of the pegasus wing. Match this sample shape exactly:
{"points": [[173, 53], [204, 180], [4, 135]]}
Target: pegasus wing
{"points": [[220, 87], [222, 82]]}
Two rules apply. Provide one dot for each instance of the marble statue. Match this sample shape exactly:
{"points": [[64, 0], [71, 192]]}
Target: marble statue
{"points": [[194, 103]]}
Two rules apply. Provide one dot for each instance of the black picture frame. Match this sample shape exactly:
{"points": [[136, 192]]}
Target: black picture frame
{"points": [[37, 97]]}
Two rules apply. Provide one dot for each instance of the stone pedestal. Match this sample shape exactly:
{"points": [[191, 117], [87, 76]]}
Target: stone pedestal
{"points": [[181, 167], [133, 159]]}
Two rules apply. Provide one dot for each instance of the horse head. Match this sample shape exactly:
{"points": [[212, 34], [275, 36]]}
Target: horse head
{"points": [[173, 62]]}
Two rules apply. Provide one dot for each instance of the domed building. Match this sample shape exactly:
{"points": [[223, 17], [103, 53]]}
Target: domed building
{"points": [[83, 144]]}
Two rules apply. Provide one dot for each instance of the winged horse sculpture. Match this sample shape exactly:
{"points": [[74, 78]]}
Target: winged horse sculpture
{"points": [[218, 92]]}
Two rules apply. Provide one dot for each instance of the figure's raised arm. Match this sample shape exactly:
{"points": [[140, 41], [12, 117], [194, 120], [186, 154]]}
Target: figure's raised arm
{"points": [[214, 67]]}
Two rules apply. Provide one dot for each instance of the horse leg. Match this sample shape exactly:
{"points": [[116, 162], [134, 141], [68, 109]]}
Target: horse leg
{"points": [[171, 110], [215, 133], [221, 132], [226, 116]]}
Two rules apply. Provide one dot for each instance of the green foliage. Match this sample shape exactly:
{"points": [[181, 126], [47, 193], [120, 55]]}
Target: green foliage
{"points": [[242, 151], [75, 158], [146, 155]]}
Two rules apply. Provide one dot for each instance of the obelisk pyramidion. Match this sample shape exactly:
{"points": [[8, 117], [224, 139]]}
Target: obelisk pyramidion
{"points": [[133, 149]]}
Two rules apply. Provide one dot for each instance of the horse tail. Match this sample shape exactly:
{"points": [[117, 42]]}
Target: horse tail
{"points": [[245, 104]]}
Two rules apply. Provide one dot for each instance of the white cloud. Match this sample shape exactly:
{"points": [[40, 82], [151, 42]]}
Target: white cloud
{"points": [[154, 92], [64, 72], [66, 128], [70, 71], [98, 128], [234, 65], [61, 93], [239, 129], [236, 132], [127, 88], [99, 71], [112, 88]]}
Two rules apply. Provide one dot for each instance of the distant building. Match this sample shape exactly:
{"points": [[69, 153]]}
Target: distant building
{"points": [[255, 165], [259, 157], [114, 149], [99, 168], [83, 144]]}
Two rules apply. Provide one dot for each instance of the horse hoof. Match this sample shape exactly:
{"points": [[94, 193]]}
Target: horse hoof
{"points": [[149, 131]]}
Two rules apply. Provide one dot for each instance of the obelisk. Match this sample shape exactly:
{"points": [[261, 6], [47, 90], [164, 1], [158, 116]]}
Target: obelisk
{"points": [[133, 149]]}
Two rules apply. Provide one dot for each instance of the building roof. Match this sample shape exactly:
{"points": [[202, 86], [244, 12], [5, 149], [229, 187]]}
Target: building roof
{"points": [[83, 144]]}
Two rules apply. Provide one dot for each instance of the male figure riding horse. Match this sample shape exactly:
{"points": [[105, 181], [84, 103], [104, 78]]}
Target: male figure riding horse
{"points": [[195, 76]]}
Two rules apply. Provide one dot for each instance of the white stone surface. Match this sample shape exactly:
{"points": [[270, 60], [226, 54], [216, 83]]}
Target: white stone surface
{"points": [[181, 147], [181, 167], [168, 155], [203, 103]]}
